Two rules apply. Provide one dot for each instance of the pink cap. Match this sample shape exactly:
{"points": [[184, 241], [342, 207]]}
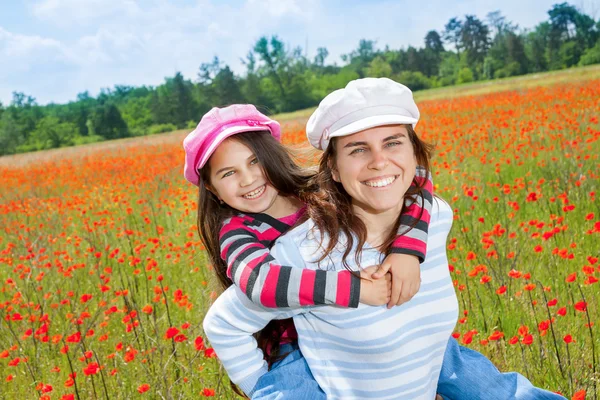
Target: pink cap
{"points": [[217, 125]]}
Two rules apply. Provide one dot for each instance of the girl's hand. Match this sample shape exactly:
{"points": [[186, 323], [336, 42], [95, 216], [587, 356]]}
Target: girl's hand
{"points": [[375, 292], [406, 277]]}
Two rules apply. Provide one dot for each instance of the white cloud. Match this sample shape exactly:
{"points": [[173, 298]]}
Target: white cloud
{"points": [[136, 42], [20, 51], [66, 12], [277, 8], [108, 42]]}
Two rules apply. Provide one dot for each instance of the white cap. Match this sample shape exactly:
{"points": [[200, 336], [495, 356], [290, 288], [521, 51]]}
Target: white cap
{"points": [[362, 104]]}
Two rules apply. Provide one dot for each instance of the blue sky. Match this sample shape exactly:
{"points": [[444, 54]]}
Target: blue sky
{"points": [[54, 49]]}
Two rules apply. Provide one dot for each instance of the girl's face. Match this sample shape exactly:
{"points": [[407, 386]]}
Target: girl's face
{"points": [[237, 179], [376, 167]]}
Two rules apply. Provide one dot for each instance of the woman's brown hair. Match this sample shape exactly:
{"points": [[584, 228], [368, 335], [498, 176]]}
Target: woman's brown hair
{"points": [[331, 210]]}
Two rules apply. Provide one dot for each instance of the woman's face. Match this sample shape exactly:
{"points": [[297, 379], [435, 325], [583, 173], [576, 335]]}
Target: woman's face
{"points": [[376, 167], [237, 178]]}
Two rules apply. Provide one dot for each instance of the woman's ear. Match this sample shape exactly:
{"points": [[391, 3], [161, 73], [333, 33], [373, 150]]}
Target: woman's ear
{"points": [[335, 175], [334, 172]]}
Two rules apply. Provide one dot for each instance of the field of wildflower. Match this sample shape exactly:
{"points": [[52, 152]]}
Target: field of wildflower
{"points": [[104, 283]]}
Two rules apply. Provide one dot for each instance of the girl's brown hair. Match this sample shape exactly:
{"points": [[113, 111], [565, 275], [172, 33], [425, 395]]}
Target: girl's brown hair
{"points": [[331, 210], [285, 176]]}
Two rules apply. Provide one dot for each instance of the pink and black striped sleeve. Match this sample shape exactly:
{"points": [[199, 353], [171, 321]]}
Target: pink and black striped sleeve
{"points": [[245, 242], [414, 221]]}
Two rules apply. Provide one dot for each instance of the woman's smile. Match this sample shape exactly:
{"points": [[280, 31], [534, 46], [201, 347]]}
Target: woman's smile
{"points": [[380, 182]]}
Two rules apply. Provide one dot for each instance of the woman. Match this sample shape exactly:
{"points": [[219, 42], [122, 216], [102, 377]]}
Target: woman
{"points": [[371, 153], [357, 352]]}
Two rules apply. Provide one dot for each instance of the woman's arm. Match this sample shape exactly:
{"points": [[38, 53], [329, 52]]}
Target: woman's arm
{"points": [[265, 281], [229, 325]]}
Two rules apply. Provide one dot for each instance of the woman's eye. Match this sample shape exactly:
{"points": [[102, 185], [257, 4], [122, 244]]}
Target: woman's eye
{"points": [[392, 144], [356, 151]]}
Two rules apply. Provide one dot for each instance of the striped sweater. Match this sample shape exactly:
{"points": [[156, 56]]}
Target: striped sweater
{"points": [[354, 353], [245, 240]]}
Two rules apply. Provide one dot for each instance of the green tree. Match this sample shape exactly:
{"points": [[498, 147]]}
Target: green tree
{"points": [[433, 42], [226, 88], [452, 33], [474, 40], [360, 58], [591, 56], [465, 75], [506, 56], [324, 84], [107, 122], [173, 102], [449, 68], [10, 137], [26, 112], [272, 53], [536, 45], [299, 93], [569, 25], [379, 68], [52, 133], [137, 114], [208, 71], [415, 80], [322, 54]]}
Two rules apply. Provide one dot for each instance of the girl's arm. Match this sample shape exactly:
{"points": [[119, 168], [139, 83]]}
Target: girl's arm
{"points": [[418, 213], [264, 281], [229, 325]]}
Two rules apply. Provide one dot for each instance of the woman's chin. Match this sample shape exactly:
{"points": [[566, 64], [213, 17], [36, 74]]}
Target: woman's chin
{"points": [[377, 206]]}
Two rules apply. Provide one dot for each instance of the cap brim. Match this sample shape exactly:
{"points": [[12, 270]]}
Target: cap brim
{"points": [[224, 134], [372, 122]]}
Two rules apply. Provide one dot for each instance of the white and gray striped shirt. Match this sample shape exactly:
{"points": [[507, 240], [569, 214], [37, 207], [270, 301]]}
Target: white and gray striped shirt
{"points": [[354, 353]]}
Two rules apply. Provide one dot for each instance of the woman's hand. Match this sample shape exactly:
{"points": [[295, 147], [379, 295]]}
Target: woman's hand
{"points": [[375, 292], [406, 277]]}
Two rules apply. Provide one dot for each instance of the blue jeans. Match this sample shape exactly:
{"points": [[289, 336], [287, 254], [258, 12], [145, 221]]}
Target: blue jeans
{"points": [[468, 374], [288, 379]]}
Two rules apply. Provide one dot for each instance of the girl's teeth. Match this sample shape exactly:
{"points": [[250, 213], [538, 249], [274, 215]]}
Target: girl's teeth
{"points": [[255, 193], [381, 183]]}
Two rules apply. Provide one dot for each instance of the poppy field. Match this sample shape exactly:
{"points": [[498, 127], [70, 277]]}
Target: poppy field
{"points": [[104, 282]]}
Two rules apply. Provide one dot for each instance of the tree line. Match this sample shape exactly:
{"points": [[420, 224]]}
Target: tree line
{"points": [[280, 79]]}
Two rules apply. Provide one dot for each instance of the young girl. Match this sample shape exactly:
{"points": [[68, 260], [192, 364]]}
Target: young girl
{"points": [[240, 167], [367, 352]]}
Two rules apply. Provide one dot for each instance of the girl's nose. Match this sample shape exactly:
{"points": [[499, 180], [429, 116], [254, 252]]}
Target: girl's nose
{"points": [[247, 178]]}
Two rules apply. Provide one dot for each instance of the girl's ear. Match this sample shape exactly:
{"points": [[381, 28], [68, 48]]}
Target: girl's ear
{"points": [[212, 190]]}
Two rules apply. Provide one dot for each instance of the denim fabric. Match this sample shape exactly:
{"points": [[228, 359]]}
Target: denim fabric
{"points": [[467, 374], [288, 379]]}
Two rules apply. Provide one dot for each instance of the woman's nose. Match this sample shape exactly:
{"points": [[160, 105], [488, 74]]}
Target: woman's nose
{"points": [[378, 161]]}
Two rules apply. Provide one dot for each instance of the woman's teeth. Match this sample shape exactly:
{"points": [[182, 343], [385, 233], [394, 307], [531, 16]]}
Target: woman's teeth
{"points": [[381, 182], [255, 193]]}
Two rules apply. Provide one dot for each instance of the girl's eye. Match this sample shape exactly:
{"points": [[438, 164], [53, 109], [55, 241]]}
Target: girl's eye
{"points": [[356, 151], [254, 161], [226, 174]]}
